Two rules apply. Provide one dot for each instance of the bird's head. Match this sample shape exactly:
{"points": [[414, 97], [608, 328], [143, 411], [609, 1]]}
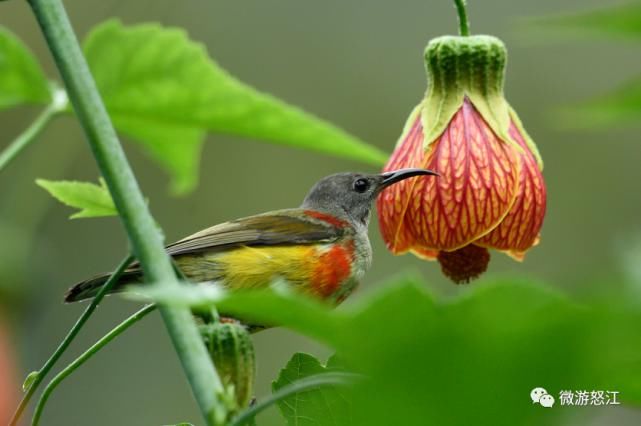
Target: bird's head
{"points": [[350, 195]]}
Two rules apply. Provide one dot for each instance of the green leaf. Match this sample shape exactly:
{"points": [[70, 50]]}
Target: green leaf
{"points": [[162, 88], [623, 21], [618, 108], [21, 79], [327, 405], [332, 378], [175, 148], [479, 356], [267, 307], [92, 200]]}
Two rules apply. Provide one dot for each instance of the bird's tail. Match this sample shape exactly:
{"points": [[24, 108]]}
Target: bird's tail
{"points": [[89, 288]]}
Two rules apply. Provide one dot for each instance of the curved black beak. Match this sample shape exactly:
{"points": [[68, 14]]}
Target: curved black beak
{"points": [[390, 178]]}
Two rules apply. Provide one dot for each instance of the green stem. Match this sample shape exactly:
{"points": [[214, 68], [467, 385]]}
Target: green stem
{"points": [[145, 239], [302, 385], [42, 373], [29, 135], [85, 356], [463, 24]]}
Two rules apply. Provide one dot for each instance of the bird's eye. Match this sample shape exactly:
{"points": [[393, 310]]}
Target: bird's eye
{"points": [[361, 185]]}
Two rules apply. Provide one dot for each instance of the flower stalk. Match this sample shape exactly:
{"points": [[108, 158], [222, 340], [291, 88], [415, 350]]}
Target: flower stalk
{"points": [[463, 23], [146, 241]]}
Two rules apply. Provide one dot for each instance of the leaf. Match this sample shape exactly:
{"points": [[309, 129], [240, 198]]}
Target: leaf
{"points": [[267, 307], [162, 88], [327, 405], [469, 360], [334, 378], [623, 20], [618, 108], [479, 356], [21, 78], [175, 148], [92, 200]]}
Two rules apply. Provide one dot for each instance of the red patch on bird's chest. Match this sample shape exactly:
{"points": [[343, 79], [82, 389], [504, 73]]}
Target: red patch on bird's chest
{"points": [[333, 268], [332, 220]]}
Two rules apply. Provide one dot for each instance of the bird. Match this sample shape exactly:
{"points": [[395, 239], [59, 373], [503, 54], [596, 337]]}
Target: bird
{"points": [[321, 248]]}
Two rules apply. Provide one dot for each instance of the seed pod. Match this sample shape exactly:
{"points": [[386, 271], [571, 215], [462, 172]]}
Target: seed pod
{"points": [[232, 352]]}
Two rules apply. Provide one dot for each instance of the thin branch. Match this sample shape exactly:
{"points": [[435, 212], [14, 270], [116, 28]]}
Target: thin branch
{"points": [[302, 385], [85, 356], [30, 134], [42, 373], [145, 239]]}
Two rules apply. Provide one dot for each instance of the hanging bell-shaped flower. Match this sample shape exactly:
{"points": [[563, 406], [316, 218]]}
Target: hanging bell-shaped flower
{"points": [[490, 193]]}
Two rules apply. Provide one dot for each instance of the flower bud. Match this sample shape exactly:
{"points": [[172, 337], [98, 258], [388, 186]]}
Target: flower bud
{"points": [[490, 193], [232, 353]]}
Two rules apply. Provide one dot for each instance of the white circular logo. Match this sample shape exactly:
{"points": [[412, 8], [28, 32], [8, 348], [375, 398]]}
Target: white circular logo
{"points": [[540, 396]]}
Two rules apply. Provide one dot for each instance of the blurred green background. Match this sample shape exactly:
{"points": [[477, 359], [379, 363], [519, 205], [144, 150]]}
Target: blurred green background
{"points": [[359, 65]]}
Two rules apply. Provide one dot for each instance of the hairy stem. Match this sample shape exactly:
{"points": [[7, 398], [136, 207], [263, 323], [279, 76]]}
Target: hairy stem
{"points": [[145, 239], [85, 356], [463, 23], [42, 373], [31, 133]]}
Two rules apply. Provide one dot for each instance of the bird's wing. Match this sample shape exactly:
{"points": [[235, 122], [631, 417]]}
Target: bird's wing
{"points": [[294, 226]]}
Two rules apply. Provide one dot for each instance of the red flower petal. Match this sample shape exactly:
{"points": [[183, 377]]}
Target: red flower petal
{"points": [[520, 229], [392, 202]]}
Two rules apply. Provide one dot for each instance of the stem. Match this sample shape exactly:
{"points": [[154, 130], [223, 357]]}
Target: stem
{"points": [[145, 239], [42, 373], [29, 135], [85, 356], [308, 383], [463, 24]]}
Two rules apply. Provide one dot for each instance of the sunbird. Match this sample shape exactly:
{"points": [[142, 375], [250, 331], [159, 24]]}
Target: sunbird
{"points": [[321, 248]]}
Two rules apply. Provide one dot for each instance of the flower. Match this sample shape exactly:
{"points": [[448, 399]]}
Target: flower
{"points": [[490, 193]]}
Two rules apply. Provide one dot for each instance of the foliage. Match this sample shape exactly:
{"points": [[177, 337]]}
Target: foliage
{"points": [[92, 200], [471, 360], [328, 405], [165, 92], [21, 79]]}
